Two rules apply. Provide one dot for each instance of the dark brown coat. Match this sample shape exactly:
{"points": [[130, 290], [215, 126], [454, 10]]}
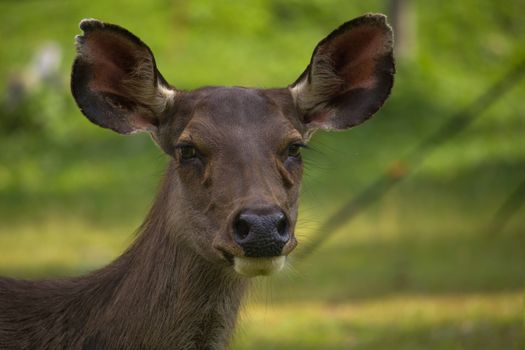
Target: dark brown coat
{"points": [[227, 206]]}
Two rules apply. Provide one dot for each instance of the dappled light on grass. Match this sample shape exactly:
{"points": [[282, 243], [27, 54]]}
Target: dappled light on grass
{"points": [[414, 271], [58, 247], [467, 321], [420, 269]]}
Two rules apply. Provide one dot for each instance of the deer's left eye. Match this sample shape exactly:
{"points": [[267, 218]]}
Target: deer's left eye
{"points": [[294, 150], [187, 152]]}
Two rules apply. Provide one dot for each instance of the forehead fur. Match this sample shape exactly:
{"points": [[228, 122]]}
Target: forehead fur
{"points": [[222, 116], [234, 104]]}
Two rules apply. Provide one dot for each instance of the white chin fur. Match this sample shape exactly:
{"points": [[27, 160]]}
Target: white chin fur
{"points": [[251, 267]]}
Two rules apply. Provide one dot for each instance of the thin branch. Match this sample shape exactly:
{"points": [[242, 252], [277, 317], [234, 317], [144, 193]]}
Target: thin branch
{"points": [[456, 124]]}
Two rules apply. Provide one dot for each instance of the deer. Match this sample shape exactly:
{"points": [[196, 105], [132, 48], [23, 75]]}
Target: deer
{"points": [[227, 206]]}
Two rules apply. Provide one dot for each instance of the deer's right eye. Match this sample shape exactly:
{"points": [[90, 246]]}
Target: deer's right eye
{"points": [[187, 152]]}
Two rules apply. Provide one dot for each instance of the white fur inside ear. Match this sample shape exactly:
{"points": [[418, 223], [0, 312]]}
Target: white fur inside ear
{"points": [[296, 90], [251, 267], [325, 83]]}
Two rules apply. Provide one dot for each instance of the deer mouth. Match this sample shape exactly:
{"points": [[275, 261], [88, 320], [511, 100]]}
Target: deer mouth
{"points": [[251, 267], [257, 242], [254, 266]]}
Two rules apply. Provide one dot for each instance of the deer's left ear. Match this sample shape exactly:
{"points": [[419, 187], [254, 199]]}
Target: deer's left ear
{"points": [[349, 76]]}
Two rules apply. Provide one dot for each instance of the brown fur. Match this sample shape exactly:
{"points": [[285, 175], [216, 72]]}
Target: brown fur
{"points": [[147, 296], [175, 287]]}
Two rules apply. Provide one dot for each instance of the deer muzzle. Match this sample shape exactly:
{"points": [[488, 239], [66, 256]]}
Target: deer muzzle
{"points": [[262, 233], [261, 238]]}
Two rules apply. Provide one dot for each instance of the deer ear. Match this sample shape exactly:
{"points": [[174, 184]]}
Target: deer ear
{"points": [[115, 81], [349, 76]]}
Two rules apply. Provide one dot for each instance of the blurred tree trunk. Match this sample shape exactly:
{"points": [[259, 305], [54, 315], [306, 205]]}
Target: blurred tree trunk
{"points": [[402, 20]]}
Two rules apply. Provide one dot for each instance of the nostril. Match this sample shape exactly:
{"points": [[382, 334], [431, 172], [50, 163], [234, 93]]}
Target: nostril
{"points": [[242, 228], [282, 226], [261, 232]]}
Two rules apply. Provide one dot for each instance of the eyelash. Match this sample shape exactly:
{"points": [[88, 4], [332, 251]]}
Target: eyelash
{"points": [[294, 149], [182, 147], [188, 151]]}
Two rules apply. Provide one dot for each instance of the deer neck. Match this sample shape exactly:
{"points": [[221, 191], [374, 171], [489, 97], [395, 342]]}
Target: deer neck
{"points": [[167, 294]]}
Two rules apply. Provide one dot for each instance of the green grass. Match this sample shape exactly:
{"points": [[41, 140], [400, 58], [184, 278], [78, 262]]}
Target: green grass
{"points": [[418, 270], [472, 321], [410, 273]]}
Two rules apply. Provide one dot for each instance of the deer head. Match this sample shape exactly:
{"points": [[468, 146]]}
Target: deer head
{"points": [[236, 166]]}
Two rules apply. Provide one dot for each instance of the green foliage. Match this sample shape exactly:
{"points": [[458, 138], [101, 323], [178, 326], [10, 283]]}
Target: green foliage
{"points": [[416, 270]]}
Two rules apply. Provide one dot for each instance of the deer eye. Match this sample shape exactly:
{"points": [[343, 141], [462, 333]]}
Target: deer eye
{"points": [[294, 150], [187, 152]]}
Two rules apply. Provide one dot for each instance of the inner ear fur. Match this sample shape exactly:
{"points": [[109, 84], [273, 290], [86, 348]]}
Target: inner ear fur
{"points": [[350, 75], [115, 80]]}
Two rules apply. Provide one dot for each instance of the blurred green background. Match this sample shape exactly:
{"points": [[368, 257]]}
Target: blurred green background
{"points": [[423, 268]]}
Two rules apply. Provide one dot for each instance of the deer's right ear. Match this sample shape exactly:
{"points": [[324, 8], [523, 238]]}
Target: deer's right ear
{"points": [[115, 81]]}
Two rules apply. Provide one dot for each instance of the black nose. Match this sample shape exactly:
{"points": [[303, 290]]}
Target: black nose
{"points": [[261, 232]]}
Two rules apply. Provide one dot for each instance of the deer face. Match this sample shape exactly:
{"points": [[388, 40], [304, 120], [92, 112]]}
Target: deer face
{"points": [[238, 167], [236, 152]]}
